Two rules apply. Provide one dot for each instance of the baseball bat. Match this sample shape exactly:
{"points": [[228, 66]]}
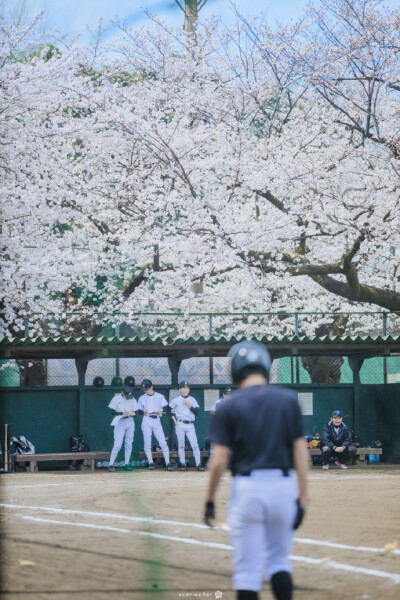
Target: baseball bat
{"points": [[5, 448]]}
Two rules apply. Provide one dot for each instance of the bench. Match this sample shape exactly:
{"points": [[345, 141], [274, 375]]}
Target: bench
{"points": [[158, 456], [361, 452], [29, 461]]}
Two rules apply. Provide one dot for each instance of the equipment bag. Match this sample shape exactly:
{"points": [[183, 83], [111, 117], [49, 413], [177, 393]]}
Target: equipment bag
{"points": [[22, 445], [376, 444], [78, 444]]}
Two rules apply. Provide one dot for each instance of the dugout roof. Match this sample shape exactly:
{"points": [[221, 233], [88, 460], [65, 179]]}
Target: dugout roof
{"points": [[89, 348]]}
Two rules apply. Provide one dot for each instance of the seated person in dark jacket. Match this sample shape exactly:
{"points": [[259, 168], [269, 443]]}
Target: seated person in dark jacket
{"points": [[336, 441]]}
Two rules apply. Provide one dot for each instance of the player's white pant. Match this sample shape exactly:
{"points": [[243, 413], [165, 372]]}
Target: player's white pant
{"points": [[124, 428], [262, 509], [187, 429], [153, 426]]}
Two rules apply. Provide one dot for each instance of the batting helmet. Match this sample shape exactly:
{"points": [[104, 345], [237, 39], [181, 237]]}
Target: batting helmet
{"points": [[249, 357], [129, 380], [98, 382]]}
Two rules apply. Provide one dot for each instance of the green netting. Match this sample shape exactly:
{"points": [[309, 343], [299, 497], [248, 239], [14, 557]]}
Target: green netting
{"points": [[9, 373], [393, 369], [198, 370], [291, 370]]}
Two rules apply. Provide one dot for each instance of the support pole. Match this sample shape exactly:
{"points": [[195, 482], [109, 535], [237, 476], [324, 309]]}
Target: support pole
{"points": [[117, 334], [356, 363], [174, 366], [296, 333], [384, 333], [81, 367]]}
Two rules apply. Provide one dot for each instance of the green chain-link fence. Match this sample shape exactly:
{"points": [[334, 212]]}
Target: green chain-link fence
{"points": [[198, 370], [374, 370]]}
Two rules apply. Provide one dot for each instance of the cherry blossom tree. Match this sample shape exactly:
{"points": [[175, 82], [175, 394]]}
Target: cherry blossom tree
{"points": [[29, 72], [349, 56], [234, 170]]}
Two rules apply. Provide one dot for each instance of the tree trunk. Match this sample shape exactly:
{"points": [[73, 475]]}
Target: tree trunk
{"points": [[191, 15], [326, 369]]}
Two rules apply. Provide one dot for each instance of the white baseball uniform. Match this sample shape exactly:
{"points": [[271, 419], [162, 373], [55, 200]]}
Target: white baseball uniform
{"points": [[216, 404], [185, 426], [124, 427], [151, 424]]}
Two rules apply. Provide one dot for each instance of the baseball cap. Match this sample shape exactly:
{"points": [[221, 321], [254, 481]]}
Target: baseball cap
{"points": [[146, 384], [128, 391], [182, 384], [337, 413], [227, 390]]}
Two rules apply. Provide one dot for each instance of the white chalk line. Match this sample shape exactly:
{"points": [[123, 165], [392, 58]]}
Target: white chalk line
{"points": [[102, 482], [332, 564], [155, 521], [67, 511], [40, 485], [133, 532], [347, 476], [344, 546], [394, 577], [165, 479]]}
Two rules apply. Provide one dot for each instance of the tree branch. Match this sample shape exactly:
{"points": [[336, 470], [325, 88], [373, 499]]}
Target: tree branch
{"points": [[372, 295], [139, 279], [180, 5], [314, 270], [349, 269], [273, 200]]}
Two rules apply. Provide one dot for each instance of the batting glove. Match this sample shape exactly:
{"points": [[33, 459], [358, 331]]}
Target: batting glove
{"points": [[209, 513], [299, 515]]}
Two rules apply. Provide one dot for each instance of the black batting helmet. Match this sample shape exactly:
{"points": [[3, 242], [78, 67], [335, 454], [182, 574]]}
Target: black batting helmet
{"points": [[249, 357]]}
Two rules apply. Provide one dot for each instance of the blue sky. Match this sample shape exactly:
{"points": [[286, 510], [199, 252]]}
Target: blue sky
{"points": [[72, 16]]}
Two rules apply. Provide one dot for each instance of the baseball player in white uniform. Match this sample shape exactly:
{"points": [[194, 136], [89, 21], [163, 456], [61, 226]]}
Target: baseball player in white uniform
{"points": [[217, 404], [262, 428], [186, 409], [123, 407], [152, 405], [225, 395]]}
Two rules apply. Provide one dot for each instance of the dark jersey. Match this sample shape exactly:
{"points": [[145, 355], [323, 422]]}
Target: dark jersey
{"points": [[259, 424]]}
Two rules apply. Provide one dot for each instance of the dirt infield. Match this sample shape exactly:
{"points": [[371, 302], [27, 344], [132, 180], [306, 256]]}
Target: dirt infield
{"points": [[139, 536]]}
